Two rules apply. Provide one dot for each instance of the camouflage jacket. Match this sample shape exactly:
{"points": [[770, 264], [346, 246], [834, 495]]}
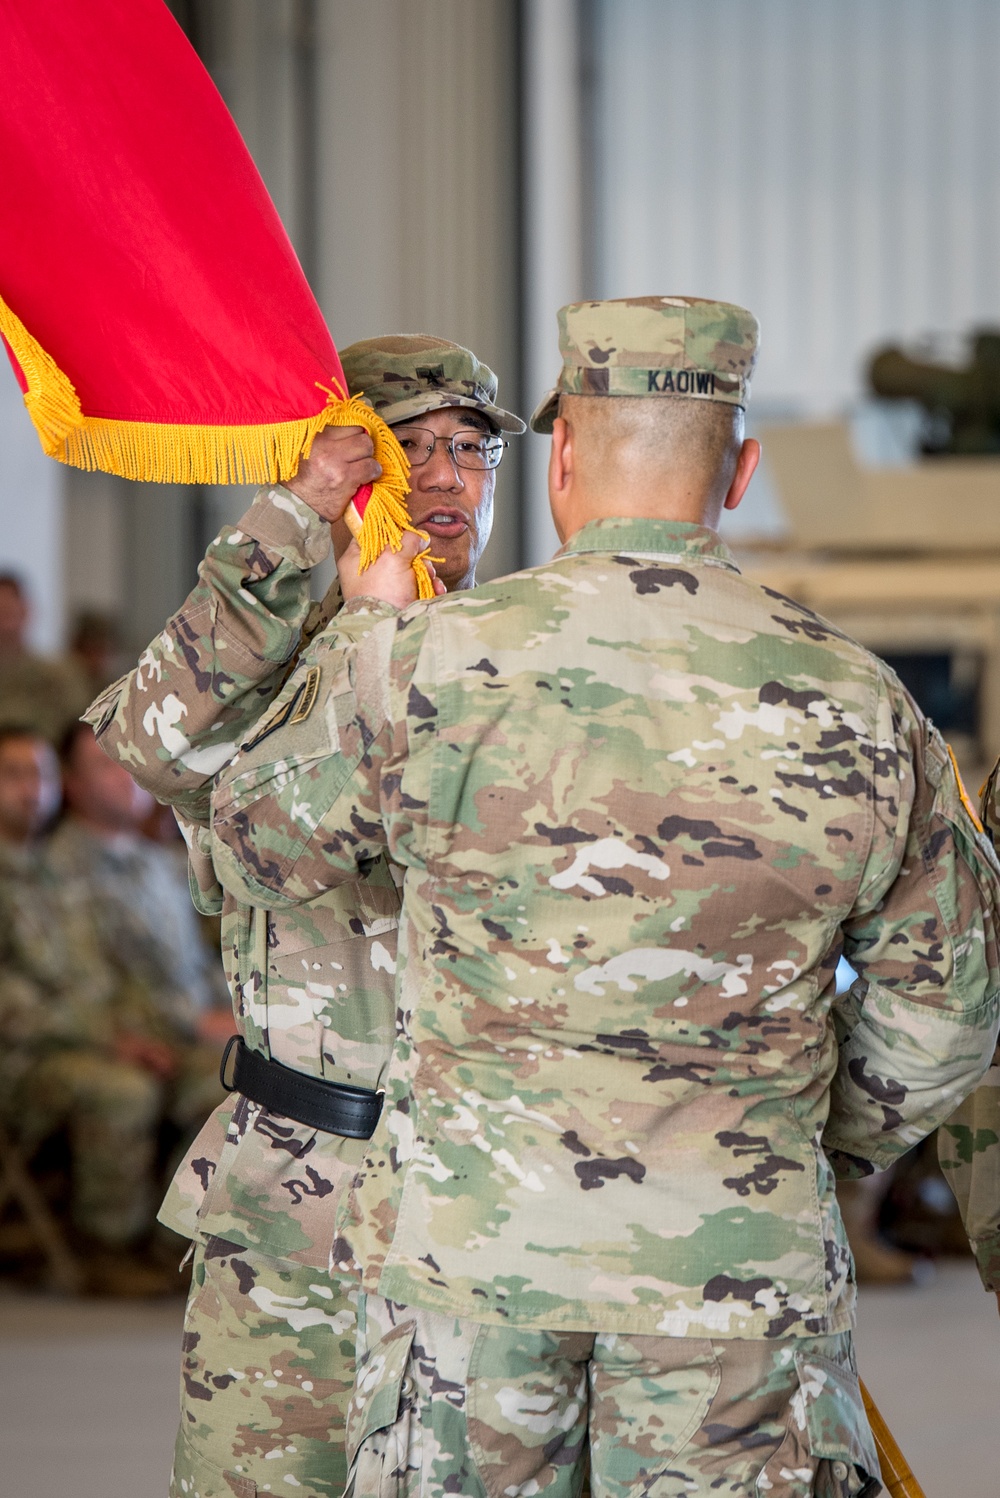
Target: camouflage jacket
{"points": [[969, 1144], [312, 987], [643, 806], [145, 917]]}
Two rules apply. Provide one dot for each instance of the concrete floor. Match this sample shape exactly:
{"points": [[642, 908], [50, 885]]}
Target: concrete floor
{"points": [[88, 1397], [88, 1390], [931, 1360]]}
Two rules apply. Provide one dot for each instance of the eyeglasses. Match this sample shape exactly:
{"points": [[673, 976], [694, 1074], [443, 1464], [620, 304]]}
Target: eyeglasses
{"points": [[469, 448]]}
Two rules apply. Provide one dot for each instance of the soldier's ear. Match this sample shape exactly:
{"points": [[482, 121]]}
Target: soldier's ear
{"points": [[561, 475], [562, 460], [746, 463]]}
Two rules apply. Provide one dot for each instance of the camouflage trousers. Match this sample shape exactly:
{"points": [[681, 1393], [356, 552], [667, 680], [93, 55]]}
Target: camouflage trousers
{"points": [[445, 1407], [267, 1369], [111, 1111]]}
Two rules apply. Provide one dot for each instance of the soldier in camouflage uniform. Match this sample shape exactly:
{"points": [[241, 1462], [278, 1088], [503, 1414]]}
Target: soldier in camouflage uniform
{"points": [[138, 888], [61, 1026], [142, 914], [969, 1143], [36, 692], [643, 806], [269, 1338]]}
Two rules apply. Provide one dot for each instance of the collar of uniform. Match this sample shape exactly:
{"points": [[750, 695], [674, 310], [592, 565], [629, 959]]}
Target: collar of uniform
{"points": [[673, 538]]}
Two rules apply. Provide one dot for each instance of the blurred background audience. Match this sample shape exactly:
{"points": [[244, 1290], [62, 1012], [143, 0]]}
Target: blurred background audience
{"points": [[105, 985], [36, 692], [95, 649]]}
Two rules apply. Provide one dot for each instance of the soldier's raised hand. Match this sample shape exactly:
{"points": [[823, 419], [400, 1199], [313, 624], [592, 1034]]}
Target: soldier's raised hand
{"points": [[342, 459], [390, 577]]}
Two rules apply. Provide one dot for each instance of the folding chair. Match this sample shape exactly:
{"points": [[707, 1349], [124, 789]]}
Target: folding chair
{"points": [[17, 1187]]}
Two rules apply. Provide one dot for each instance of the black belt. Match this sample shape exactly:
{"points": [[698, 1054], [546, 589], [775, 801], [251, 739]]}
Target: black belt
{"points": [[334, 1107]]}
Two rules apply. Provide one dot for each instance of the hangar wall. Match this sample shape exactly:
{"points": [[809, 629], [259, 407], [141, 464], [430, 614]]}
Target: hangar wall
{"points": [[832, 167]]}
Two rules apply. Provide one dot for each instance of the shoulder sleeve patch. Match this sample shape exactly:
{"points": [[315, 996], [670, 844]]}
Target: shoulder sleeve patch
{"points": [[295, 710]]}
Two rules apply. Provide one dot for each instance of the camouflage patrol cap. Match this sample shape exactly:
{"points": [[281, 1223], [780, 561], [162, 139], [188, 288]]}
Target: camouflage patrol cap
{"points": [[406, 375], [653, 345]]}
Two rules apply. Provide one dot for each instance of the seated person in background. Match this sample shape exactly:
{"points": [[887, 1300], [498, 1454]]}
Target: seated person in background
{"points": [[139, 891], [41, 694], [161, 828], [62, 1053], [147, 928], [95, 649]]}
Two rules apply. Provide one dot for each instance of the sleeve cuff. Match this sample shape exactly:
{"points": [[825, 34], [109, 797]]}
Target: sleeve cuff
{"points": [[987, 1252], [373, 608], [279, 520], [352, 622]]}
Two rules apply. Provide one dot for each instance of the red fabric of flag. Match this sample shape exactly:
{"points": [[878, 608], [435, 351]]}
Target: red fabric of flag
{"points": [[154, 310]]}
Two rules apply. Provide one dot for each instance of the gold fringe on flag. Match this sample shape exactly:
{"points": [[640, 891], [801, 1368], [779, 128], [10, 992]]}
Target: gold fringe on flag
{"points": [[168, 453], [52, 403]]}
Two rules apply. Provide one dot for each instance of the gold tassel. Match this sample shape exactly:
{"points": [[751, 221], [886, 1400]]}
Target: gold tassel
{"points": [[379, 528], [386, 517], [425, 588]]}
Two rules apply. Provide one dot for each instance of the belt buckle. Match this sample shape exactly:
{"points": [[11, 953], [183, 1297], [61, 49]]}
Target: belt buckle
{"points": [[230, 1043]]}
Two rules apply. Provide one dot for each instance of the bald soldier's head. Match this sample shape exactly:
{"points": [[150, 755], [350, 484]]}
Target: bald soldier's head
{"points": [[665, 459], [647, 413]]}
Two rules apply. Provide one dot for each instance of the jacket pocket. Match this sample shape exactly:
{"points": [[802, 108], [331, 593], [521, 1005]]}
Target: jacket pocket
{"points": [[381, 1419], [828, 1449]]}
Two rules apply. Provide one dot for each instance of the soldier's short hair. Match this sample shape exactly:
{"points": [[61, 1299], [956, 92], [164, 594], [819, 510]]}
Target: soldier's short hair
{"points": [[699, 437]]}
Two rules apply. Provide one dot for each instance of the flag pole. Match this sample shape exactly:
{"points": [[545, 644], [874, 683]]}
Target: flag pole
{"points": [[896, 1474]]}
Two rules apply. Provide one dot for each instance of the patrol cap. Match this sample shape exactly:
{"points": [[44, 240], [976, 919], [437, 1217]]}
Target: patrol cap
{"points": [[405, 375], [653, 345]]}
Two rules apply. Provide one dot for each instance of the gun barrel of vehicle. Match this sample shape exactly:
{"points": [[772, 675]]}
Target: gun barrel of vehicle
{"points": [[894, 376], [896, 1474]]}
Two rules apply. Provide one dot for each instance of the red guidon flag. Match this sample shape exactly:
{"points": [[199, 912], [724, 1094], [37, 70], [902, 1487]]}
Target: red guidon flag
{"points": [[154, 311]]}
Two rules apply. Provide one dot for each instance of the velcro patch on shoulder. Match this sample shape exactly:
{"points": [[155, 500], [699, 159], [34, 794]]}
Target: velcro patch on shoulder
{"points": [[295, 710]]}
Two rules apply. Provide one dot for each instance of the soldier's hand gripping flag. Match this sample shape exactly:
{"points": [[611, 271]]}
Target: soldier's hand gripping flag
{"points": [[154, 311]]}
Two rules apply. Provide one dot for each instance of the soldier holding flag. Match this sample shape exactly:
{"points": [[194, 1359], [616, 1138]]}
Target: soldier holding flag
{"points": [[312, 988], [643, 806]]}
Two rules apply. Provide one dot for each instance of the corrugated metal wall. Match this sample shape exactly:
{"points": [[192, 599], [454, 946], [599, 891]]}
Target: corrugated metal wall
{"points": [[417, 169], [832, 164]]}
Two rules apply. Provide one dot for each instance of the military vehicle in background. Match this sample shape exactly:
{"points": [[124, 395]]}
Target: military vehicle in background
{"points": [[906, 559], [961, 403]]}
